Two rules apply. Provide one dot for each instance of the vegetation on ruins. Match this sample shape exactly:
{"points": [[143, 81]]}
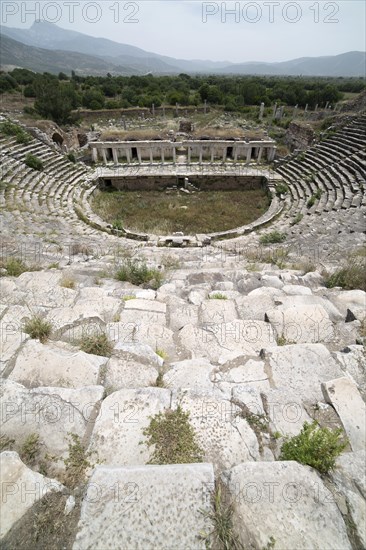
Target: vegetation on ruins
{"points": [[217, 296], [281, 189], [138, 273], [38, 328], [77, 462], [33, 162], [10, 129], [173, 438], [272, 238], [222, 536], [13, 267], [97, 344], [158, 213], [350, 277], [315, 446], [30, 449]]}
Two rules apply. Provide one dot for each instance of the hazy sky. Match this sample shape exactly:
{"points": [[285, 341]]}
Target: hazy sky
{"points": [[235, 31]]}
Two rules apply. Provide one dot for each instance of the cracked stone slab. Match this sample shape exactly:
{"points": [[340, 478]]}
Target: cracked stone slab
{"points": [[286, 501], [353, 362], [126, 373], [350, 479], [343, 395], [48, 412], [286, 411], [225, 437], [192, 374], [12, 335], [301, 369], [147, 507], [145, 311], [21, 487], [181, 313], [117, 435], [353, 300], [55, 365], [217, 311]]}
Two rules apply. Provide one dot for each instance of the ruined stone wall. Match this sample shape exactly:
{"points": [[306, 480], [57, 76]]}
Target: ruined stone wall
{"points": [[204, 183], [299, 136]]}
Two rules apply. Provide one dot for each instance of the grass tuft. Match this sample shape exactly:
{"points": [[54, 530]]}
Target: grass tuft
{"points": [[38, 328], [138, 273], [97, 344]]}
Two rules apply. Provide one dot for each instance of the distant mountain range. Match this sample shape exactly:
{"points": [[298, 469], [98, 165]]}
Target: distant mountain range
{"points": [[47, 47]]}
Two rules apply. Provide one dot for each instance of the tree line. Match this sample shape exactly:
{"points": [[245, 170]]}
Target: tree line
{"points": [[57, 96]]}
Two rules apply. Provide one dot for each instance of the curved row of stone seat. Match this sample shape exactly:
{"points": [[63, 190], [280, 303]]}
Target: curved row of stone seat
{"points": [[330, 175], [48, 194]]}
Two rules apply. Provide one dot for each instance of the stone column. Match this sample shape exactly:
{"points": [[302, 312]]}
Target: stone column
{"points": [[151, 156], [274, 110], [212, 154], [174, 155], [162, 155], [94, 153], [201, 152], [224, 153], [128, 156], [115, 155], [189, 155], [139, 154], [260, 154], [104, 156], [249, 155], [235, 154], [261, 111]]}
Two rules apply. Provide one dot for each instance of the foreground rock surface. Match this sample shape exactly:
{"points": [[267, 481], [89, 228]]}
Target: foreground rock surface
{"points": [[147, 507]]}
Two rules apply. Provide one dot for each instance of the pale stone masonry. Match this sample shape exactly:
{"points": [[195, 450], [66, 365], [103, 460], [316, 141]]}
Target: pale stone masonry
{"points": [[193, 150]]}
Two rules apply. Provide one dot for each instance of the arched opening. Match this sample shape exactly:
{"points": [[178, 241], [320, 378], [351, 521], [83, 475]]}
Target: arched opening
{"points": [[57, 138]]}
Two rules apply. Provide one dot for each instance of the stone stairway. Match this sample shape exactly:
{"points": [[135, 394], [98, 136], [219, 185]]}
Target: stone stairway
{"points": [[249, 355]]}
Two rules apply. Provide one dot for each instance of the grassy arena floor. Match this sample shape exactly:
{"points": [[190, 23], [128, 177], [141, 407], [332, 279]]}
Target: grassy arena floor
{"points": [[162, 213]]}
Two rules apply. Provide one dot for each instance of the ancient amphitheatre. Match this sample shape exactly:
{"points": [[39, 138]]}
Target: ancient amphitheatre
{"points": [[252, 331]]}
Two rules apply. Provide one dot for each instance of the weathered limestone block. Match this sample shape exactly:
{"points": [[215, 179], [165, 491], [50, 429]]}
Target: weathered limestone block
{"points": [[55, 365], [224, 435], [52, 413], [343, 394], [144, 311], [72, 324], [125, 373], [352, 300], [181, 313], [20, 489], [286, 501], [302, 369], [241, 372], [123, 416], [11, 333], [147, 507], [296, 290], [43, 289], [217, 311], [353, 361], [301, 323], [157, 336], [192, 374], [350, 479], [286, 411], [133, 351], [98, 301]]}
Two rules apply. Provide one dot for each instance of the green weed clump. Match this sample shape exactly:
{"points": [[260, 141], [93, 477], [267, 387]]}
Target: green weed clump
{"points": [[97, 344], [9, 129], [273, 238], [314, 446], [138, 273], [350, 277], [173, 438], [33, 162], [38, 328]]}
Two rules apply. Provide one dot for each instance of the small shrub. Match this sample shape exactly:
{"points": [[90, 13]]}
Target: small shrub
{"points": [[173, 438], [281, 189], [162, 353], [314, 446], [351, 277], [77, 461], [137, 273], [160, 380], [273, 238], [6, 443], [33, 162], [30, 449], [118, 224], [38, 328], [128, 297], [311, 201], [67, 282], [71, 157], [14, 267], [217, 296], [97, 344], [10, 129], [297, 219]]}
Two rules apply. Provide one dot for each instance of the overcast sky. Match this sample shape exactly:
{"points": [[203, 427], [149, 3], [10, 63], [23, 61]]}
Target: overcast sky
{"points": [[262, 30]]}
